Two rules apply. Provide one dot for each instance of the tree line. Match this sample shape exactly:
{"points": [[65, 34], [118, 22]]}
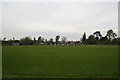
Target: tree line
{"points": [[95, 38]]}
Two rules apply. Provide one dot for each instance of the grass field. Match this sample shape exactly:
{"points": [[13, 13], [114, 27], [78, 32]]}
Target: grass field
{"points": [[88, 61]]}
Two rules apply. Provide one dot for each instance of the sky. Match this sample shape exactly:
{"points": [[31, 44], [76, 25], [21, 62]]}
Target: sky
{"points": [[48, 19]]}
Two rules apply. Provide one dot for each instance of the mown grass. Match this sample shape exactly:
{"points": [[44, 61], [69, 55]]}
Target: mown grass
{"points": [[87, 61]]}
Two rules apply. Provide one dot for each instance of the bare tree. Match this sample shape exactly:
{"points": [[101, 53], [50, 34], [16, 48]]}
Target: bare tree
{"points": [[26, 41], [63, 39], [42, 39]]}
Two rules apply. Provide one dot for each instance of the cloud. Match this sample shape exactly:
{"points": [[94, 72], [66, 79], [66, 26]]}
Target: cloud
{"points": [[64, 18], [59, 0], [45, 27]]}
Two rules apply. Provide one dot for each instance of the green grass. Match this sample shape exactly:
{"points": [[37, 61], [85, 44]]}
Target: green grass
{"points": [[91, 61]]}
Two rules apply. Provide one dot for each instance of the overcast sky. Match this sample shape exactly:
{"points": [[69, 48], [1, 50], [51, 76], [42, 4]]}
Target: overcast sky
{"points": [[48, 19]]}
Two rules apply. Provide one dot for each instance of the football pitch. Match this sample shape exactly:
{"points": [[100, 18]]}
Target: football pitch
{"points": [[71, 61]]}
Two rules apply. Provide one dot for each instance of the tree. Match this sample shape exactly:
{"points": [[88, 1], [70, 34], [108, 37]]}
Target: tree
{"points": [[84, 38], [4, 39], [57, 39], [104, 40], [4, 42], [39, 39], [111, 35], [42, 39], [91, 39], [115, 41], [114, 35], [97, 35], [34, 40], [51, 42], [45, 40], [13, 39], [63, 39], [26, 41]]}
